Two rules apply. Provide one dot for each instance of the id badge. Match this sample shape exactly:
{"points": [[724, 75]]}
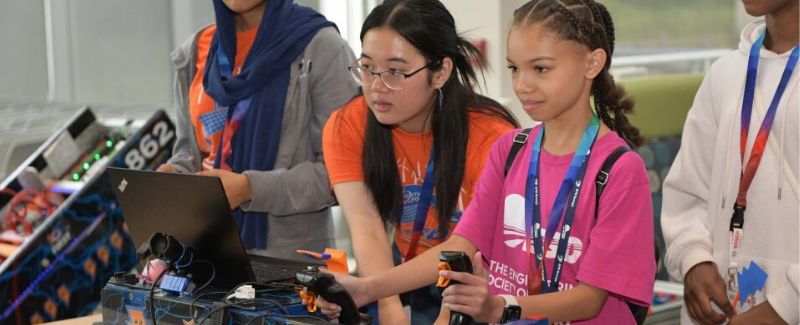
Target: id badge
{"points": [[749, 283]]}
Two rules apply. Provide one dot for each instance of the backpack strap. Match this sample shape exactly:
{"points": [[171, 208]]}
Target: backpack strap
{"points": [[639, 312], [519, 140], [605, 173]]}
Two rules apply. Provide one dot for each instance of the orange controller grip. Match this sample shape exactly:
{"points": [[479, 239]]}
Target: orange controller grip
{"points": [[443, 282]]}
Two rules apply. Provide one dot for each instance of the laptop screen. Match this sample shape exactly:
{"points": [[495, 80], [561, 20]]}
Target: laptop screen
{"points": [[191, 208]]}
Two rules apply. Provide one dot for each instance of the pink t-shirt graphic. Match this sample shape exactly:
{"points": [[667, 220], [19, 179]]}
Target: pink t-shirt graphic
{"points": [[614, 252]]}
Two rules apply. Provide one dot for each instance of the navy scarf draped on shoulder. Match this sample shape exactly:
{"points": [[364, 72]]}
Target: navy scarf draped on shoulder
{"points": [[283, 34]]}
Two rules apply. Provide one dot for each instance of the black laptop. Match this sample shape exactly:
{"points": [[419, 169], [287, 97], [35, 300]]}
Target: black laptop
{"points": [[194, 210]]}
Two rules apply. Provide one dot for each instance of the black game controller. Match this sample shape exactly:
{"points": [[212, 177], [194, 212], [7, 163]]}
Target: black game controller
{"points": [[325, 285], [457, 262]]}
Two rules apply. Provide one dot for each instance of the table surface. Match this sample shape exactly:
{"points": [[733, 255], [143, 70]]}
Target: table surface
{"points": [[87, 320]]}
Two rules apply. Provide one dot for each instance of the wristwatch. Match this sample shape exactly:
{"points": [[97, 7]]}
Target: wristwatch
{"points": [[511, 311]]}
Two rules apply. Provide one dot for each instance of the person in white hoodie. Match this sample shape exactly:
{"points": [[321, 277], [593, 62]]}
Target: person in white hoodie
{"points": [[718, 253]]}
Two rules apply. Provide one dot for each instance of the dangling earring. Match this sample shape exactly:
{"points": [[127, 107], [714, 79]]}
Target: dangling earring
{"points": [[440, 98]]}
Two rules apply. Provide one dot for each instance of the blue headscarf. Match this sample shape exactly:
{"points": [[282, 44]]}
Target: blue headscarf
{"points": [[257, 95]]}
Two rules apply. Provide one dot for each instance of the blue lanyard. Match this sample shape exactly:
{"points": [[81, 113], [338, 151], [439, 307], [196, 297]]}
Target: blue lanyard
{"points": [[422, 207], [570, 188]]}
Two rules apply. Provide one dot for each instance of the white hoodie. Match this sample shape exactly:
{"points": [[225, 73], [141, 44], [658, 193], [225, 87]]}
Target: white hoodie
{"points": [[701, 187]]}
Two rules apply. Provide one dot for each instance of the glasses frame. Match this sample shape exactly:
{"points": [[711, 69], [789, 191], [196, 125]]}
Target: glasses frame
{"points": [[358, 66]]}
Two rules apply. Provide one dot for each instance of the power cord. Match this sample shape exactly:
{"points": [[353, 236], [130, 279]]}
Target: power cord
{"points": [[227, 303], [288, 317], [241, 304], [197, 298], [213, 274], [194, 301]]}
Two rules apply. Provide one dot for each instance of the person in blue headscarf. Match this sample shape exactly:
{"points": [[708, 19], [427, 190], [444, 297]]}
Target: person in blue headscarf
{"points": [[254, 91]]}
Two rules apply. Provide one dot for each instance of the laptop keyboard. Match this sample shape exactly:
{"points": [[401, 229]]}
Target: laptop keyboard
{"points": [[266, 272]]}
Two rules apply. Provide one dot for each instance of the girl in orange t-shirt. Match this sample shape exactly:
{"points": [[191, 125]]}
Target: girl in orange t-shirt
{"points": [[409, 152]]}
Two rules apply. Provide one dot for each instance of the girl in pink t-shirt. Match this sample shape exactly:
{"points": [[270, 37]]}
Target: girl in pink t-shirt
{"points": [[598, 260]]}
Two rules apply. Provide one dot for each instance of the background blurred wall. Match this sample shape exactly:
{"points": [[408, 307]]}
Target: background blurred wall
{"points": [[94, 51], [117, 51], [23, 59]]}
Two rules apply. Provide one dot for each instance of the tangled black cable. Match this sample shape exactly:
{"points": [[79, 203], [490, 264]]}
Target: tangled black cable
{"points": [[287, 316], [197, 298], [242, 304], [227, 303], [213, 274]]}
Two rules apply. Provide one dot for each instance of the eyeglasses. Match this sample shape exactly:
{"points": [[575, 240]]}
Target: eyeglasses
{"points": [[393, 79]]}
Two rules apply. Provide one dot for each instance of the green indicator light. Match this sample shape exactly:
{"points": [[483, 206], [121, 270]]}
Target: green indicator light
{"points": [[96, 156], [109, 143], [86, 166], [76, 177]]}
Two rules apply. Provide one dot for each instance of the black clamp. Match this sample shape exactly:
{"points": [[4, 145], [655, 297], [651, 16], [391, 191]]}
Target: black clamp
{"points": [[737, 220]]}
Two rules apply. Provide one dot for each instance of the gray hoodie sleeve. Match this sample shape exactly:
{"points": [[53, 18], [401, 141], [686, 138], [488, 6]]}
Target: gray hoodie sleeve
{"points": [[304, 186], [185, 153]]}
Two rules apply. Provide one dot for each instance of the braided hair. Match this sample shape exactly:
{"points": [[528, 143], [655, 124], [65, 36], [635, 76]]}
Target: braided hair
{"points": [[587, 22]]}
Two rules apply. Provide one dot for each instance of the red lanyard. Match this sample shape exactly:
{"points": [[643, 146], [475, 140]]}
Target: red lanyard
{"points": [[760, 142]]}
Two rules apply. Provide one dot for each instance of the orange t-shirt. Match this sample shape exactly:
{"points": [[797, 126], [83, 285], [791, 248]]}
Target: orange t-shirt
{"points": [[199, 102], [343, 142]]}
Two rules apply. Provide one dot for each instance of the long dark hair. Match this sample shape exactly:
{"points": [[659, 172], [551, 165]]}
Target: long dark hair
{"points": [[428, 26], [589, 23]]}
